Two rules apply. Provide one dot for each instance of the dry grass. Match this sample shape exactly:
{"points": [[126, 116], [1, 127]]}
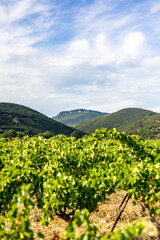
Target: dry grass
{"points": [[104, 218]]}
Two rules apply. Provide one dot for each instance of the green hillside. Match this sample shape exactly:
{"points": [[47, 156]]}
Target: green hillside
{"points": [[73, 117], [148, 127], [28, 121], [115, 120]]}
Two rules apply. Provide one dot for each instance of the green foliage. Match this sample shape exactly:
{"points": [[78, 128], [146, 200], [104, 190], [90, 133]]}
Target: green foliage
{"points": [[17, 216], [70, 174], [20, 134], [77, 134], [10, 134], [47, 134], [81, 217]]}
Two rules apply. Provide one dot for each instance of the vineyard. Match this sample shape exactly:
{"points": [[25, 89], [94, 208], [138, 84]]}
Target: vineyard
{"points": [[70, 177]]}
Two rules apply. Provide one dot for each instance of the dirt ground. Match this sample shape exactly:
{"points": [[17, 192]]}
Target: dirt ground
{"points": [[104, 218]]}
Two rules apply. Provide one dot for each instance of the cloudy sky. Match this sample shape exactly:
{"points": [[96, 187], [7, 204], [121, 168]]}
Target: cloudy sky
{"points": [[95, 54]]}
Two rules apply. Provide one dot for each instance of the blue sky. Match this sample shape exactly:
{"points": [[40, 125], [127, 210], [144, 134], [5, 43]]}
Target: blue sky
{"points": [[95, 54]]}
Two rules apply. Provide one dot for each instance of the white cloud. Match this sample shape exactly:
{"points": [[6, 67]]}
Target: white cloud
{"points": [[89, 56], [152, 61], [133, 44], [156, 109], [155, 8], [99, 51], [79, 46]]}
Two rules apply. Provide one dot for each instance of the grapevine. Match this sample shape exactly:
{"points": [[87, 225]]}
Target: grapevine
{"points": [[70, 174]]}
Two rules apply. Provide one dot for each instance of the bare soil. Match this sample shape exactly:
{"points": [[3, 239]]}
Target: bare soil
{"points": [[103, 217]]}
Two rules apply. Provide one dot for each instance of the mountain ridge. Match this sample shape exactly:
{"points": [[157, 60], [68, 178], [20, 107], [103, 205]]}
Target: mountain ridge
{"points": [[75, 116], [25, 120], [79, 110]]}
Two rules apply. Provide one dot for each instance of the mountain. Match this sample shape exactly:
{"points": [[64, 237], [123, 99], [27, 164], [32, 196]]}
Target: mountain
{"points": [[28, 121], [73, 117], [147, 127], [118, 119]]}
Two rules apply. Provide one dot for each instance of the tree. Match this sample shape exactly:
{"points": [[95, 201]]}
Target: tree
{"points": [[77, 134], [47, 134], [12, 133]]}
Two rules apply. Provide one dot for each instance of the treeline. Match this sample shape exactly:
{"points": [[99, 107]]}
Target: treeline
{"points": [[10, 134], [13, 134]]}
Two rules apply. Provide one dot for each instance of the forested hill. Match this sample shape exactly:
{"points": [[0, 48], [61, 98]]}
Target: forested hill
{"points": [[147, 127], [73, 117], [119, 119], [28, 121]]}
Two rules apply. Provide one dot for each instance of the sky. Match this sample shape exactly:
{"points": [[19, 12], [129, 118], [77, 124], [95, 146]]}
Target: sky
{"points": [[101, 55]]}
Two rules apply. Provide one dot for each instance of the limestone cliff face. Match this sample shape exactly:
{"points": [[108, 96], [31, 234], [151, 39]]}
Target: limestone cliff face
{"points": [[73, 117], [73, 112]]}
